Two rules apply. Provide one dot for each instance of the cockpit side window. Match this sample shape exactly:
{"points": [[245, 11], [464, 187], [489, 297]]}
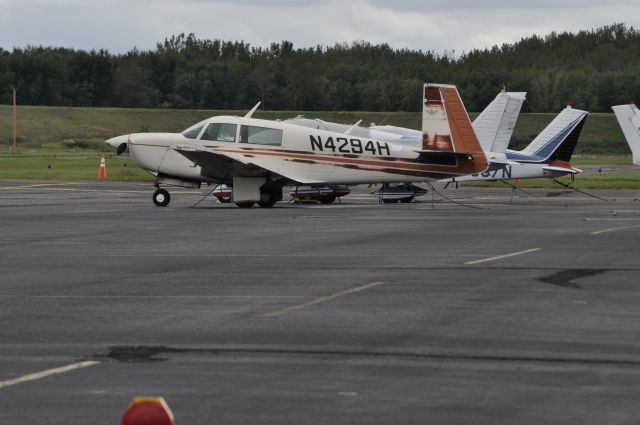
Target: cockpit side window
{"points": [[193, 131], [221, 132], [260, 135]]}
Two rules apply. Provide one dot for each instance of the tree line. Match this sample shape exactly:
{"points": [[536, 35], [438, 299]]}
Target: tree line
{"points": [[591, 70]]}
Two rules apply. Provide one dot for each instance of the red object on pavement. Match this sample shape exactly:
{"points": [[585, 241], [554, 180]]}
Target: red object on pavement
{"points": [[148, 411], [102, 172]]}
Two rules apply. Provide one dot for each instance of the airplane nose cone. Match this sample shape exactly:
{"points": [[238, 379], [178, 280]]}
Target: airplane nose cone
{"points": [[119, 142]]}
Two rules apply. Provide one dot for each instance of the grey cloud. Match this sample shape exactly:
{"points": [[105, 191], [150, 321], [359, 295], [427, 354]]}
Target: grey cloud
{"points": [[119, 25], [426, 6], [265, 3]]}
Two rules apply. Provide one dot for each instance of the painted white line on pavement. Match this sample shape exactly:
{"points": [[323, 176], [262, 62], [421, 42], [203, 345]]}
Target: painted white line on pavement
{"points": [[319, 300], [613, 229], [46, 373], [500, 257]]}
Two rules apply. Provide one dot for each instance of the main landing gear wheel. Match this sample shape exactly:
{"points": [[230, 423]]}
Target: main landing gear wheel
{"points": [[247, 204], [268, 198], [327, 199], [267, 204], [161, 198]]}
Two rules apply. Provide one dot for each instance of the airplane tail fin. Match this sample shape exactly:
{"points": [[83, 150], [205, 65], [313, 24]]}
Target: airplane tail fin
{"points": [[494, 126], [629, 118], [557, 141], [446, 126]]}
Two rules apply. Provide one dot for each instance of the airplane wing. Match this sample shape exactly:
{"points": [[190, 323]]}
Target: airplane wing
{"points": [[223, 166]]}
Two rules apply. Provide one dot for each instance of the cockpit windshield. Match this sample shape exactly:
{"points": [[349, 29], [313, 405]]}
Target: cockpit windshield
{"points": [[193, 131]]}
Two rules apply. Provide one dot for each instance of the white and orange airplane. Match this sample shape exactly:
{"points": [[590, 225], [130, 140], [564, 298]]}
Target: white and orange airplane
{"points": [[259, 157]]}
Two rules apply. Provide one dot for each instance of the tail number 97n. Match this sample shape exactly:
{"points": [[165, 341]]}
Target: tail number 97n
{"points": [[345, 145]]}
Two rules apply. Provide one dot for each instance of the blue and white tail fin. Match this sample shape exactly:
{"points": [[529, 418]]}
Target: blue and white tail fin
{"points": [[556, 142], [494, 126], [629, 118]]}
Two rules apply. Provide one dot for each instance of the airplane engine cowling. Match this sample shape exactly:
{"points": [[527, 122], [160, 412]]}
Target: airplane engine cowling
{"points": [[149, 149]]}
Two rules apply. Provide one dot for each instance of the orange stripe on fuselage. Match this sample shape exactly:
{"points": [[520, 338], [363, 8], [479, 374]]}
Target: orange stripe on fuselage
{"points": [[333, 159]]}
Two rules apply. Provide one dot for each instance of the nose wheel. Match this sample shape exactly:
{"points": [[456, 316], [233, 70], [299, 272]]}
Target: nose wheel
{"points": [[161, 198]]}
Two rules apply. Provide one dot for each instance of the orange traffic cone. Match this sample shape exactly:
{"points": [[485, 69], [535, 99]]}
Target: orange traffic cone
{"points": [[148, 411], [102, 173]]}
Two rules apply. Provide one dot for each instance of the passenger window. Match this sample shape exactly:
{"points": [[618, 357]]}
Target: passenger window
{"points": [[220, 132], [260, 135]]}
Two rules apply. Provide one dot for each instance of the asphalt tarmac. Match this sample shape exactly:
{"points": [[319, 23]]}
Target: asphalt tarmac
{"points": [[501, 308]]}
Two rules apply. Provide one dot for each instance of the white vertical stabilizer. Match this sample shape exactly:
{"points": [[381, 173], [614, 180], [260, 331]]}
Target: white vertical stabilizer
{"points": [[629, 118], [494, 126]]}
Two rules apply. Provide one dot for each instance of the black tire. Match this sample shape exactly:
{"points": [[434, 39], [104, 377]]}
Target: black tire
{"points": [[267, 204], [389, 201], [327, 199], [224, 200], [406, 200], [247, 204], [161, 198], [268, 198]]}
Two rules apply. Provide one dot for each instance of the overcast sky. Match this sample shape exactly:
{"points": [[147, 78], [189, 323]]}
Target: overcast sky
{"points": [[460, 25]]}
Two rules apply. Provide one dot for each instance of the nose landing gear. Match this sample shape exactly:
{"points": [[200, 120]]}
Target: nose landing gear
{"points": [[161, 198]]}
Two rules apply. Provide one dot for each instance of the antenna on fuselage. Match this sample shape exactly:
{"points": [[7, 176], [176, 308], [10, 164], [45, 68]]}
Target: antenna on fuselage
{"points": [[250, 113], [352, 127]]}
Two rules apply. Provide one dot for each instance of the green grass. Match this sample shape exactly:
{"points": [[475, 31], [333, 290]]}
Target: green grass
{"points": [[75, 165], [38, 125], [600, 160], [623, 180], [71, 139], [83, 164]]}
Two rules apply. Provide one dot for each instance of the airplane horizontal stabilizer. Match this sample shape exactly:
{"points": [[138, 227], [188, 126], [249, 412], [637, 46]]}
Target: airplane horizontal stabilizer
{"points": [[562, 166], [562, 170], [431, 152]]}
